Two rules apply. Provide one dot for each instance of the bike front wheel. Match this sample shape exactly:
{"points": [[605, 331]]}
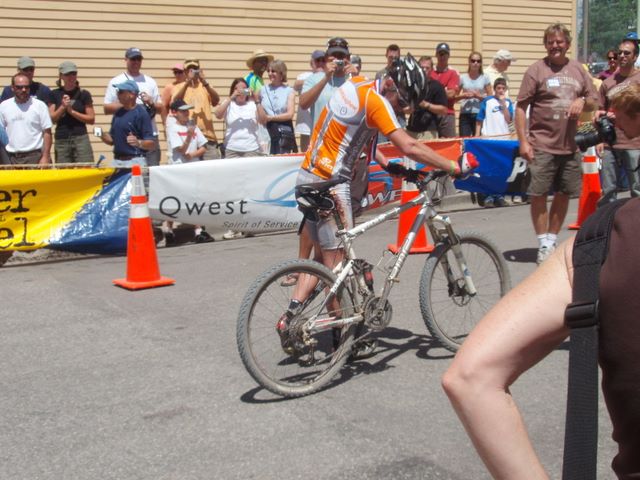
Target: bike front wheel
{"points": [[449, 310], [304, 361]]}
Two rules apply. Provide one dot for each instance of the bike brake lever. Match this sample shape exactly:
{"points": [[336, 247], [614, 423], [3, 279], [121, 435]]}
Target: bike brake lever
{"points": [[468, 175]]}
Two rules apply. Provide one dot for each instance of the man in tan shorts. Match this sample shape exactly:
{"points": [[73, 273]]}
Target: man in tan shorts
{"points": [[557, 89]]}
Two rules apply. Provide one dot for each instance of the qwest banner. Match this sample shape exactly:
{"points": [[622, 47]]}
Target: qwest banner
{"points": [[254, 194], [82, 210]]}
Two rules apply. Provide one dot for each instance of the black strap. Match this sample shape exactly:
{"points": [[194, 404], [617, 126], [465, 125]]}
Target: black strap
{"points": [[581, 427]]}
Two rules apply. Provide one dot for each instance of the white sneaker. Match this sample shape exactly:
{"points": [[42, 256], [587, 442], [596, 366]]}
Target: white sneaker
{"points": [[545, 252], [230, 235]]}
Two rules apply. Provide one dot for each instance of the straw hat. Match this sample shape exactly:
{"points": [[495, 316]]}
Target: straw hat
{"points": [[258, 54]]}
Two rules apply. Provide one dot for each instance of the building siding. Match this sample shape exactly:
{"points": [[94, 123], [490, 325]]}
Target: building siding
{"points": [[222, 34]]}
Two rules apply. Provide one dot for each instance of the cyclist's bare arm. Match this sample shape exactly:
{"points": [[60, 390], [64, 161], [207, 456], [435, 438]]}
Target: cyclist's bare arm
{"points": [[416, 150]]}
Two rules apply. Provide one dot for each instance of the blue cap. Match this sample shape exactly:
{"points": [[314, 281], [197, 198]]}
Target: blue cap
{"points": [[128, 86], [631, 36], [133, 52]]}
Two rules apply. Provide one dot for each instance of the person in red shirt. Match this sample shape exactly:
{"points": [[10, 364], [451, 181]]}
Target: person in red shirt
{"points": [[450, 80]]}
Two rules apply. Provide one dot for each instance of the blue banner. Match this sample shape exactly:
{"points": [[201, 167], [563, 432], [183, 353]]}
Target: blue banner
{"points": [[101, 226], [500, 171]]}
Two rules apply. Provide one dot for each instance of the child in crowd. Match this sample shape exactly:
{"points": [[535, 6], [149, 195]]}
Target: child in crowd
{"points": [[186, 144], [495, 115]]}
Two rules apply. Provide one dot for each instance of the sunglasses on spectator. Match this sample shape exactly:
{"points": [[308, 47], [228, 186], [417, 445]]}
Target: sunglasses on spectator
{"points": [[624, 53], [615, 57], [176, 72], [21, 87], [474, 60]]}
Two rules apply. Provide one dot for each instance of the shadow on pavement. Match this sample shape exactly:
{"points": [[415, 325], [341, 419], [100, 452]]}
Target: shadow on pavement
{"points": [[388, 350], [522, 255]]}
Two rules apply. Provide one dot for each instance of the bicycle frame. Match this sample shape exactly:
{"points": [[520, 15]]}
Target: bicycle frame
{"points": [[441, 230]]}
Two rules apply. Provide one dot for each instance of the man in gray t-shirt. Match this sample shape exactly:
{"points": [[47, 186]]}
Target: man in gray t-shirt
{"points": [[557, 90]]}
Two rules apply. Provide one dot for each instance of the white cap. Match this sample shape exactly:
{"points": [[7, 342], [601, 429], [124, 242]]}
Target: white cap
{"points": [[504, 54]]}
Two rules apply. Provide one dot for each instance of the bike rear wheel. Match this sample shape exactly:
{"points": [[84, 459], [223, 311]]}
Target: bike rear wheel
{"points": [[448, 310], [318, 356]]}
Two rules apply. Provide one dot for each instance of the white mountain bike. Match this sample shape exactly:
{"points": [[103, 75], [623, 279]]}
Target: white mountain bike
{"points": [[462, 278]]}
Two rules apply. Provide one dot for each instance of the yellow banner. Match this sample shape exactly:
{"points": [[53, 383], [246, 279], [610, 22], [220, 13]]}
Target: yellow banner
{"points": [[35, 205]]}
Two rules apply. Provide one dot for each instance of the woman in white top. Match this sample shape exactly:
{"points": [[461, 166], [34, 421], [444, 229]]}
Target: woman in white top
{"points": [[242, 118], [474, 86], [277, 101]]}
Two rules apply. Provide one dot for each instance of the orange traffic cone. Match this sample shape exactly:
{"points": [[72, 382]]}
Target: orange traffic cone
{"points": [[142, 261], [420, 244], [591, 190]]}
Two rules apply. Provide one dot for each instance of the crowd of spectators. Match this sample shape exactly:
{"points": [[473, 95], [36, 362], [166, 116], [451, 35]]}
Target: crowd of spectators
{"points": [[133, 94], [259, 113]]}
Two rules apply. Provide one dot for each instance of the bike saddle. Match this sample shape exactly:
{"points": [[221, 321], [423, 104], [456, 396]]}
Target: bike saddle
{"points": [[316, 196]]}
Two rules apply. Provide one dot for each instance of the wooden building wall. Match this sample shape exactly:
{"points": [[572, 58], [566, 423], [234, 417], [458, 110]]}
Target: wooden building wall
{"points": [[223, 33]]}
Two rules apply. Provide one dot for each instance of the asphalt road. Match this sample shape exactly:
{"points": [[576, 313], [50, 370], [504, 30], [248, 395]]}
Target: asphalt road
{"points": [[102, 383]]}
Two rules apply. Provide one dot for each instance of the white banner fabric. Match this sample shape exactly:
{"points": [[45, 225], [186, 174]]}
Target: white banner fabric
{"points": [[252, 194]]}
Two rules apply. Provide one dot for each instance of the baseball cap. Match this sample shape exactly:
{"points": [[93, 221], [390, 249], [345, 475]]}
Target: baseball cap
{"points": [[504, 54], [67, 67], [178, 66], [631, 36], [133, 52], [356, 59], [180, 105], [337, 45], [26, 62], [317, 54], [443, 46], [191, 62], [127, 86]]}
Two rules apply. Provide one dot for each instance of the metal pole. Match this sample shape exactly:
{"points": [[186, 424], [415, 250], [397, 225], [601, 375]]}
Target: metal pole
{"points": [[585, 31]]}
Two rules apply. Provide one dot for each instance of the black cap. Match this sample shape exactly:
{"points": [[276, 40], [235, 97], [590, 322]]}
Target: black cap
{"points": [[443, 47], [180, 105], [337, 45]]}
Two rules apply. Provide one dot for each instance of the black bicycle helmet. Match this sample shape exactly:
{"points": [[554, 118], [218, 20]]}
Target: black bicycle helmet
{"points": [[409, 80]]}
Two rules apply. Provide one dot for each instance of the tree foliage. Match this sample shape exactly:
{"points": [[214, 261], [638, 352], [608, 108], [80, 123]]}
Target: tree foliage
{"points": [[609, 22]]}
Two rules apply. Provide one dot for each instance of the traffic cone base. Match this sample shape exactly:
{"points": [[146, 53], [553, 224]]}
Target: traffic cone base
{"points": [[161, 282], [420, 244], [142, 260]]}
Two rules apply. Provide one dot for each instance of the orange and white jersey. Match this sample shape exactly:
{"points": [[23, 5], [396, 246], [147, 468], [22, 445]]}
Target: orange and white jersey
{"points": [[354, 115]]}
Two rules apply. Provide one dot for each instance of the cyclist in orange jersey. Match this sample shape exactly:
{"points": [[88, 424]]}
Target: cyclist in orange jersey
{"points": [[349, 123]]}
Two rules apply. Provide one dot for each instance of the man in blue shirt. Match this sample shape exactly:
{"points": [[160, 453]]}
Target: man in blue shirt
{"points": [[131, 131]]}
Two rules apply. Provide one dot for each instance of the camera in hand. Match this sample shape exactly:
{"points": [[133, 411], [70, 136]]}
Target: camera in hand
{"points": [[604, 131], [246, 91], [339, 64]]}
